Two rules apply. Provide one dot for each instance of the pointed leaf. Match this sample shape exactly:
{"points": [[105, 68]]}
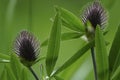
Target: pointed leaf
{"points": [[70, 20], [66, 36], [75, 57], [54, 45], [114, 51], [101, 56]]}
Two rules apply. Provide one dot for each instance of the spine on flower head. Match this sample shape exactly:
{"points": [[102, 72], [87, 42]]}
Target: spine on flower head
{"points": [[94, 15], [26, 47]]}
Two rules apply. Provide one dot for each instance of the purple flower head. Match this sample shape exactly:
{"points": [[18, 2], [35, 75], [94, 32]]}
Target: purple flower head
{"points": [[95, 14], [26, 46]]}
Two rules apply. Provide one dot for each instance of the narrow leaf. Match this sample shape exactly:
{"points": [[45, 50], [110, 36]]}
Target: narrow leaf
{"points": [[4, 56], [3, 76], [58, 78], [117, 62], [66, 36], [75, 57], [101, 56], [24, 74], [71, 35], [70, 20], [114, 51], [116, 75], [10, 75], [54, 45], [15, 66]]}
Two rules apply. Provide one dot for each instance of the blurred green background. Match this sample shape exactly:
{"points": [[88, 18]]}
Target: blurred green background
{"points": [[36, 15]]}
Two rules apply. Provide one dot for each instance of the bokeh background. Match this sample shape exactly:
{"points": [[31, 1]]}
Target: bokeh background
{"points": [[35, 16]]}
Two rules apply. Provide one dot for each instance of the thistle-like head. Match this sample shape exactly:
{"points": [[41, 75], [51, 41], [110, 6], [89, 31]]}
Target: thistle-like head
{"points": [[26, 47], [95, 14]]}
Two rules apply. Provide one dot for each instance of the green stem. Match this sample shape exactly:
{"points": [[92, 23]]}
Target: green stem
{"points": [[31, 70], [94, 62]]}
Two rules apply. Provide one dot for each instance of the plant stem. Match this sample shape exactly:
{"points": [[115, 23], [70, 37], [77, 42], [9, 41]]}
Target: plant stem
{"points": [[94, 62], [33, 73]]}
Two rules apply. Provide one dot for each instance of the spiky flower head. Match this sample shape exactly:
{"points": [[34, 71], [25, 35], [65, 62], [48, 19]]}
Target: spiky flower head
{"points": [[26, 47], [95, 14]]}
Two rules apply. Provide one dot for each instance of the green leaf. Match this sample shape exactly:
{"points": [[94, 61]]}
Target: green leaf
{"points": [[58, 78], [114, 51], [40, 59], [16, 66], [116, 75], [10, 75], [70, 20], [4, 56], [71, 35], [75, 57], [66, 36], [24, 74], [44, 43], [117, 62], [3, 75], [54, 45], [101, 56]]}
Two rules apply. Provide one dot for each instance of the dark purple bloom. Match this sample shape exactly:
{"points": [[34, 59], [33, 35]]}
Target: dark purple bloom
{"points": [[95, 14], [26, 46]]}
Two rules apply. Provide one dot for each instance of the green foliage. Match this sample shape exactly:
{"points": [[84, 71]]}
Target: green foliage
{"points": [[70, 20], [53, 45], [116, 75], [4, 56], [10, 75], [114, 52], [15, 66], [3, 75], [66, 36], [58, 61], [75, 57], [58, 78], [101, 56], [24, 74]]}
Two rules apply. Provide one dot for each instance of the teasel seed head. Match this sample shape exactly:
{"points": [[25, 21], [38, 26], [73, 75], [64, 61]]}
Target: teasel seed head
{"points": [[95, 14], [26, 47]]}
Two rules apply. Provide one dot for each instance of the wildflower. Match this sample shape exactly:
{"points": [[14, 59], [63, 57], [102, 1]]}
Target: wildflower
{"points": [[95, 14], [27, 48]]}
